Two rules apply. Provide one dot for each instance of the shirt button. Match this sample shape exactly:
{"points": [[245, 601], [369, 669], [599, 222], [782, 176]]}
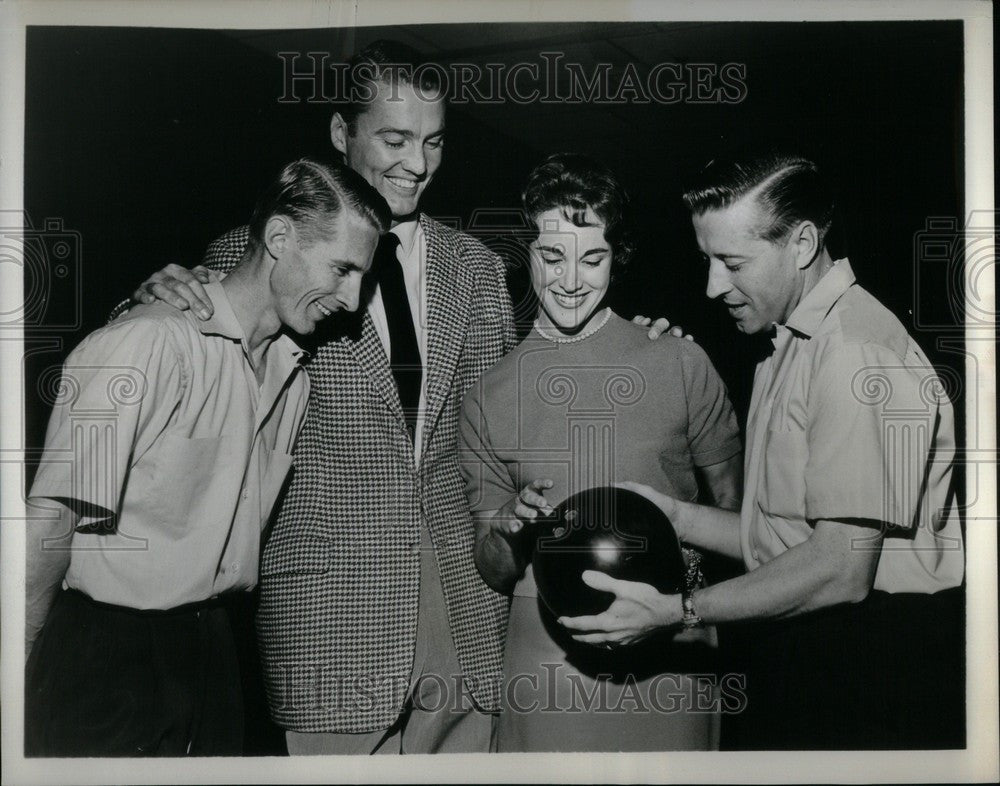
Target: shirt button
{"points": [[235, 567]]}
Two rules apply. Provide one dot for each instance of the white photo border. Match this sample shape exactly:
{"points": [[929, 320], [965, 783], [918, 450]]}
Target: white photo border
{"points": [[979, 762]]}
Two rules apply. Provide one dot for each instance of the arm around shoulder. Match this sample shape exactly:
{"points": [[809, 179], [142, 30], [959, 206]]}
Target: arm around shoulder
{"points": [[183, 288]]}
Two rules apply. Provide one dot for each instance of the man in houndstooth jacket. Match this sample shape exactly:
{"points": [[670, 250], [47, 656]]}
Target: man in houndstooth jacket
{"points": [[376, 631]]}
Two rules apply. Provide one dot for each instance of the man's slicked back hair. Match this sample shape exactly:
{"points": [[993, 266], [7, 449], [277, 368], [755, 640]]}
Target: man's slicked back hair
{"points": [[789, 187], [313, 195]]}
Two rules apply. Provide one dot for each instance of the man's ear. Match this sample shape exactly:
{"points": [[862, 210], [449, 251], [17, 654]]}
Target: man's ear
{"points": [[805, 237], [278, 234], [339, 133]]}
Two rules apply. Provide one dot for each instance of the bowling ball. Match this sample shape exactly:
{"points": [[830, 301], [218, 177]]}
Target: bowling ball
{"points": [[611, 530]]}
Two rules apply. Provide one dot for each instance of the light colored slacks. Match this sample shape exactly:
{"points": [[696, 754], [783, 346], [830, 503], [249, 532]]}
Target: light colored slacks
{"points": [[438, 717]]}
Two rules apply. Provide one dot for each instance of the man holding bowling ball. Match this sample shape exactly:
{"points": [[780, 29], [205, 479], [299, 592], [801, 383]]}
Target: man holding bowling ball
{"points": [[849, 529]]}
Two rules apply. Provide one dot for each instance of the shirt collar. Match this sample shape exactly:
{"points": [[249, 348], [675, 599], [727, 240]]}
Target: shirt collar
{"points": [[809, 314], [407, 233], [225, 323]]}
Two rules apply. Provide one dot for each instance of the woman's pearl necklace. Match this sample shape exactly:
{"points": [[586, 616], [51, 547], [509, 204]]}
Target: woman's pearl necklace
{"points": [[579, 337]]}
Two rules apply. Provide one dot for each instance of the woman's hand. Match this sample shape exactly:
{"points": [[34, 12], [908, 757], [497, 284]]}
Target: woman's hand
{"points": [[525, 507], [179, 287], [659, 327], [500, 553], [638, 611]]}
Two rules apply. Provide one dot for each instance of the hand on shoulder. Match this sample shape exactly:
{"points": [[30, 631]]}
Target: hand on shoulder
{"points": [[660, 326], [179, 287]]}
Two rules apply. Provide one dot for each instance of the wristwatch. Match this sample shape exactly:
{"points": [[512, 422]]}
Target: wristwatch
{"points": [[693, 579], [691, 618]]}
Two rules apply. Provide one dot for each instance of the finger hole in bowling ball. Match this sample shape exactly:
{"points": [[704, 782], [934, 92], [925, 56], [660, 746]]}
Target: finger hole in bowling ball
{"points": [[607, 529]]}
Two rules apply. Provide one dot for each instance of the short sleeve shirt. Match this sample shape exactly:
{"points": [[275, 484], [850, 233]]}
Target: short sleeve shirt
{"points": [[849, 421], [162, 430]]}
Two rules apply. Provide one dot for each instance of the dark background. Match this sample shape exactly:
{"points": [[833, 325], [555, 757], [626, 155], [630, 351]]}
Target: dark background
{"points": [[148, 143]]}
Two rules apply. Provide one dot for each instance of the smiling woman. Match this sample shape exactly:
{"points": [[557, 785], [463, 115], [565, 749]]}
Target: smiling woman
{"points": [[583, 241], [570, 270], [588, 400]]}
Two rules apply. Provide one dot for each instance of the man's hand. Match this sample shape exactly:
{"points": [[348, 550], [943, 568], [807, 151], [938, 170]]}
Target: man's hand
{"points": [[661, 325], [703, 526], [638, 611], [672, 508], [179, 287], [523, 508]]}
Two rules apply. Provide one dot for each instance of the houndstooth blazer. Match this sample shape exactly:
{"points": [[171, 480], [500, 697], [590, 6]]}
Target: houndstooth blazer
{"points": [[340, 573]]}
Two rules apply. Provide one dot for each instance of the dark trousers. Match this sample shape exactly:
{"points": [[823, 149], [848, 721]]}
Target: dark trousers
{"points": [[106, 680], [886, 673]]}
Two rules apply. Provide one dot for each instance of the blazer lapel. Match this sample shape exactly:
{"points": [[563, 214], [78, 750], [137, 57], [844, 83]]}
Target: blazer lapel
{"points": [[447, 318], [370, 354]]}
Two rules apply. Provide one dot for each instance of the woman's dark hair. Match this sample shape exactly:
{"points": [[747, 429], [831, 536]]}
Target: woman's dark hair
{"points": [[312, 195], [789, 187], [572, 183]]}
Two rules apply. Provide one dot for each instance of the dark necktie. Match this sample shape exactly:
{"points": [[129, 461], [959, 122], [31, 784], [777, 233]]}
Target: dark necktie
{"points": [[404, 354]]}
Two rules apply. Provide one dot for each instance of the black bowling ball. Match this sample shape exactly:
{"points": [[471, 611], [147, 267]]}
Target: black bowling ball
{"points": [[611, 530]]}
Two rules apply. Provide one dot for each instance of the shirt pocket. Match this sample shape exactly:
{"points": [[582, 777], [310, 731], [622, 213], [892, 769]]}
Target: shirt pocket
{"points": [[783, 490], [193, 482]]}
